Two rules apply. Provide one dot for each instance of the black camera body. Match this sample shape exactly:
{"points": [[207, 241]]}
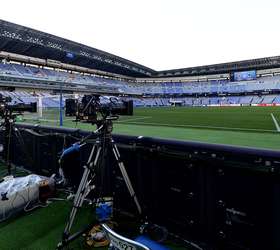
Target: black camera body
{"points": [[5, 99], [23, 107], [6, 107], [90, 109]]}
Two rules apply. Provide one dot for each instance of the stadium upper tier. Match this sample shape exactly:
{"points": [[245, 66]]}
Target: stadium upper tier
{"points": [[10, 73], [22, 40], [209, 87]]}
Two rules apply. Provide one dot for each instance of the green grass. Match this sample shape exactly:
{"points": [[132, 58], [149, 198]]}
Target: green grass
{"points": [[42, 228], [232, 118], [242, 126]]}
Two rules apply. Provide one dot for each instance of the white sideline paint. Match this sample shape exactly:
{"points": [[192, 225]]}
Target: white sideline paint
{"points": [[135, 119], [69, 119], [275, 122], [197, 126], [46, 120]]}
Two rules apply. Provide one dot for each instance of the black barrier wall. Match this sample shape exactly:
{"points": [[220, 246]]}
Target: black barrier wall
{"points": [[222, 197]]}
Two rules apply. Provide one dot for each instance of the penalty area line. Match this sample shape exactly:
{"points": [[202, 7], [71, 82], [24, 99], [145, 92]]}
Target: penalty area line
{"points": [[275, 122]]}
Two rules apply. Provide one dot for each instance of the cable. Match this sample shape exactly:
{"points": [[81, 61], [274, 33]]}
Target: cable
{"points": [[34, 207], [22, 144], [57, 199]]}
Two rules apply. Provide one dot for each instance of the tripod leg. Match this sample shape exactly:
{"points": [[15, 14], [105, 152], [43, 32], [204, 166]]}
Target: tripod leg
{"points": [[77, 202], [80, 195], [126, 177]]}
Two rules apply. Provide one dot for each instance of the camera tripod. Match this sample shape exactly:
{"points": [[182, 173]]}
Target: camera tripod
{"points": [[8, 127], [97, 155], [10, 131]]}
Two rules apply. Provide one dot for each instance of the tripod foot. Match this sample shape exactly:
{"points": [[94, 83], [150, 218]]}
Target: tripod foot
{"points": [[59, 246]]}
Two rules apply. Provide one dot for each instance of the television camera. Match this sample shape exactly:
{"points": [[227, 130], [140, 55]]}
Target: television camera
{"points": [[8, 114], [95, 108], [10, 111]]}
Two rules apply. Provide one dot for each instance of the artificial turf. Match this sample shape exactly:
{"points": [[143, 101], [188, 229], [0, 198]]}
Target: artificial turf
{"points": [[242, 126], [42, 228]]}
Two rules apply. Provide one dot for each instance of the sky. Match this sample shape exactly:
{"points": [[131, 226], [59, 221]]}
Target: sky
{"points": [[160, 34]]}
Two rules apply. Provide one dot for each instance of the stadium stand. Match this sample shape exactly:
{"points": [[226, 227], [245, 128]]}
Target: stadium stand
{"points": [[166, 88], [163, 89]]}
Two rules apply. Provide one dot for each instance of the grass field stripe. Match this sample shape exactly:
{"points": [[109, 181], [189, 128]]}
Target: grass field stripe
{"points": [[198, 126], [275, 122]]}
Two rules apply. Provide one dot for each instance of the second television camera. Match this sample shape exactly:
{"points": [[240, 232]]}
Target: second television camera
{"points": [[94, 108], [7, 108]]}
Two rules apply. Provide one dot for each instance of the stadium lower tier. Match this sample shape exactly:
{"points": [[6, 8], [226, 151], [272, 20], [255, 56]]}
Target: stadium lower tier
{"points": [[11, 73], [53, 101], [208, 101]]}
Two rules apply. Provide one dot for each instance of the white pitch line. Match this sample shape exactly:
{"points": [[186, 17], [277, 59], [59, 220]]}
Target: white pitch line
{"points": [[199, 126], [135, 119], [45, 120], [275, 122], [69, 119]]}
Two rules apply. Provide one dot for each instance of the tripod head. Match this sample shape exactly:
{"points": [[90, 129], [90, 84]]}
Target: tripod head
{"points": [[105, 125]]}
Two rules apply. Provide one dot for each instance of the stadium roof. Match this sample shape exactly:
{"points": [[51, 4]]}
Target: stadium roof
{"points": [[253, 64], [18, 39], [26, 41]]}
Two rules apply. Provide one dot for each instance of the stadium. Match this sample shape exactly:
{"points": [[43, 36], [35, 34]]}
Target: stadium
{"points": [[36, 64], [216, 125]]}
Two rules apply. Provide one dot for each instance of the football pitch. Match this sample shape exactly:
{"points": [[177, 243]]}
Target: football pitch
{"points": [[243, 126]]}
